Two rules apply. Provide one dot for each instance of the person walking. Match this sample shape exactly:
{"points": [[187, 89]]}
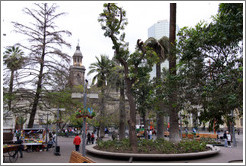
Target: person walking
{"points": [[54, 137], [92, 138], [225, 139], [238, 131], [76, 142], [150, 134], [88, 138], [228, 138], [20, 148]]}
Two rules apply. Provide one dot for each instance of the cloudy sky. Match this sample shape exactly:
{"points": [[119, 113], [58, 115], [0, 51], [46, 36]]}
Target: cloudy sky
{"points": [[81, 20]]}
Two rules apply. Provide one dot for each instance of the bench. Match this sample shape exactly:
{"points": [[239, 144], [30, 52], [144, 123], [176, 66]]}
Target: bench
{"points": [[166, 133], [198, 136], [190, 136], [77, 157], [214, 136]]}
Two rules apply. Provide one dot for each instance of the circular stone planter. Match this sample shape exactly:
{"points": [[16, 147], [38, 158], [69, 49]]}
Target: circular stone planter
{"points": [[235, 161], [214, 150]]}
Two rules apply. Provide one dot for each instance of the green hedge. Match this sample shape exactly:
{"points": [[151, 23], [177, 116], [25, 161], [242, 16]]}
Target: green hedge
{"points": [[153, 146]]}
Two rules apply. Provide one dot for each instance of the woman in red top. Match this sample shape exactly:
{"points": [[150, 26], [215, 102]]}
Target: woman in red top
{"points": [[76, 142], [92, 138]]}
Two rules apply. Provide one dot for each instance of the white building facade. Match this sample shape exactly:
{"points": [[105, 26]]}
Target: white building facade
{"points": [[160, 29], [157, 31]]}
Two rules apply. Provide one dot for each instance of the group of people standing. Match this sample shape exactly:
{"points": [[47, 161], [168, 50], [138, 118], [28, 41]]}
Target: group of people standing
{"points": [[90, 138], [77, 140], [52, 140], [227, 138]]}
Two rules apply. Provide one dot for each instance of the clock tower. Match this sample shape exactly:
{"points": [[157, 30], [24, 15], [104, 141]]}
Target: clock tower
{"points": [[77, 70]]}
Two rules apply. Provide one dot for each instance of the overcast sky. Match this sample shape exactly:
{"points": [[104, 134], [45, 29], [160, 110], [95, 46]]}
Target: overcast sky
{"points": [[81, 20]]}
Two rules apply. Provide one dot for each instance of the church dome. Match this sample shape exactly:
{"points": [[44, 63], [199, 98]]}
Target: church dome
{"points": [[78, 52], [77, 57]]}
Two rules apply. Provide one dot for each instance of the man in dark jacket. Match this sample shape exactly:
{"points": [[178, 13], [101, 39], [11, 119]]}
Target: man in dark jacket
{"points": [[225, 139]]}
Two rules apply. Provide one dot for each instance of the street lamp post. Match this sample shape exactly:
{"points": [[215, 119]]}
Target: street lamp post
{"points": [[233, 130], [57, 151], [46, 140], [84, 120], [180, 124]]}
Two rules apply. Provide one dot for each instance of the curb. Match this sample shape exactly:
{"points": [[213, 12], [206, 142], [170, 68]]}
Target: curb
{"points": [[214, 150]]}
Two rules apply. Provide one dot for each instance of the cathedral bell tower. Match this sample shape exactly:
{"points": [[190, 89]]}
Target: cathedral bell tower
{"points": [[77, 70]]}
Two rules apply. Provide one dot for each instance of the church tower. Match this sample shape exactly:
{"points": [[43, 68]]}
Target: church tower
{"points": [[77, 70]]}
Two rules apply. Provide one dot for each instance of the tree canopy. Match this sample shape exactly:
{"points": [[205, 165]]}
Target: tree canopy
{"points": [[212, 60]]}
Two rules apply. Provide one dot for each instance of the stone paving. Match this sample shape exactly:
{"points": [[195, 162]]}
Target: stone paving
{"points": [[66, 146]]}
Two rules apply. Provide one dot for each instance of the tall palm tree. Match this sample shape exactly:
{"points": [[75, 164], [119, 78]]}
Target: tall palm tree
{"points": [[174, 125], [13, 58], [102, 68], [161, 47]]}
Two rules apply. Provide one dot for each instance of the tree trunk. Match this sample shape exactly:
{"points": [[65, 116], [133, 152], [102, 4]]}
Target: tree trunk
{"points": [[160, 125], [174, 125], [132, 121], [102, 106], [40, 79], [122, 126], [11, 90], [145, 125], [159, 114], [35, 104]]}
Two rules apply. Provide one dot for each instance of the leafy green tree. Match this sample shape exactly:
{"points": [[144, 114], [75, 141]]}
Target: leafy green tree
{"points": [[14, 60], [113, 21], [102, 69], [45, 55], [212, 54]]}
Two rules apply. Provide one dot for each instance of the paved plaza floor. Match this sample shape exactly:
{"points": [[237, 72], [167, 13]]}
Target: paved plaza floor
{"points": [[226, 155]]}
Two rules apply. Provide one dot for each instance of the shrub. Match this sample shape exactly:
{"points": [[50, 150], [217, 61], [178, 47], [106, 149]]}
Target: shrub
{"points": [[154, 146], [209, 141]]}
